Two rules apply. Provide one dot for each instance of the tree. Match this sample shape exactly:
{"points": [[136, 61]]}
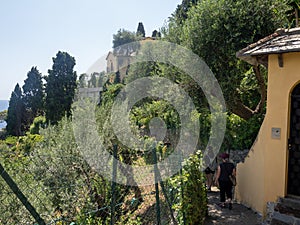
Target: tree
{"points": [[102, 79], [123, 37], [142, 68], [117, 79], [156, 34], [181, 12], [293, 13], [140, 30], [82, 80], [3, 115], [60, 87], [121, 42], [211, 31], [93, 80], [33, 95], [15, 113]]}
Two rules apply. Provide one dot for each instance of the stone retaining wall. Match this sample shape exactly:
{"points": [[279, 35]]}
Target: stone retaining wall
{"points": [[237, 156]]}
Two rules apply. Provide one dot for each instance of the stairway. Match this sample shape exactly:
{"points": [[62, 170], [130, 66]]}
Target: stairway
{"points": [[287, 212]]}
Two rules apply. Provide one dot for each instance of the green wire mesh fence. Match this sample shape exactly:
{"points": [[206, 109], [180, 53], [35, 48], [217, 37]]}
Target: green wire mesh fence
{"points": [[59, 187]]}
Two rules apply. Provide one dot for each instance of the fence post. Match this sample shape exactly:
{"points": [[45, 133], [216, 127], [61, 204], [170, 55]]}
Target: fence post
{"points": [[113, 185], [168, 202], [182, 189], [13, 186], [156, 177]]}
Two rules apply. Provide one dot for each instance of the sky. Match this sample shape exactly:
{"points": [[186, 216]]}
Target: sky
{"points": [[33, 31]]}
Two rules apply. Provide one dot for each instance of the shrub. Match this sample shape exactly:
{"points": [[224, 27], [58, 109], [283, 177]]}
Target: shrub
{"points": [[190, 185], [38, 122]]}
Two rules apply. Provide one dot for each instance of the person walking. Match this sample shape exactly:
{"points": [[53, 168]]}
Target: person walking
{"points": [[225, 169], [209, 174]]}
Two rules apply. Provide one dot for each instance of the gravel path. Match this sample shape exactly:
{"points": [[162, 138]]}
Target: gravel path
{"points": [[239, 215]]}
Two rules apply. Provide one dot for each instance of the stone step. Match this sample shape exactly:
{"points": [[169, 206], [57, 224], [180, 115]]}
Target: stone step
{"points": [[283, 219], [289, 206]]}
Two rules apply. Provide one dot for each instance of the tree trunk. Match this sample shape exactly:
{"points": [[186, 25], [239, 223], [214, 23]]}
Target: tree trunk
{"points": [[244, 111], [262, 89], [241, 110]]}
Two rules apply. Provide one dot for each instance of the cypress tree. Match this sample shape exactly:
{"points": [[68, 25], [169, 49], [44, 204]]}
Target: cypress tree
{"points": [[60, 87], [15, 113], [33, 95], [140, 30]]}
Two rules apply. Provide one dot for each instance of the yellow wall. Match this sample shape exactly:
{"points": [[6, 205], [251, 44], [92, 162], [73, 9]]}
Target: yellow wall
{"points": [[117, 63], [262, 177], [111, 63]]}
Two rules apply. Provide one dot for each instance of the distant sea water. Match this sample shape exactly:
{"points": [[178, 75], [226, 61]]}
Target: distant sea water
{"points": [[3, 106]]}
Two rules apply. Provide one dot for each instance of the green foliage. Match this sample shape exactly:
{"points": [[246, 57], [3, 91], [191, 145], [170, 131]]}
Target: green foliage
{"points": [[110, 94], [144, 68], [60, 88], [75, 187], [140, 30], [23, 144], [82, 80], [117, 79], [15, 113], [124, 42], [156, 34], [11, 140], [190, 188], [62, 185], [27, 143], [102, 79], [33, 93], [240, 133], [3, 115], [14, 158], [2, 134], [293, 13], [130, 221], [141, 116], [88, 220], [60, 91], [24, 106], [33, 96], [93, 80], [181, 12], [71, 188], [38, 122], [210, 30], [123, 37], [144, 112], [68, 187], [141, 69]]}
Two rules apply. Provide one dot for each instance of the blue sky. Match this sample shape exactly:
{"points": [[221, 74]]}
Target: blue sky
{"points": [[33, 31]]}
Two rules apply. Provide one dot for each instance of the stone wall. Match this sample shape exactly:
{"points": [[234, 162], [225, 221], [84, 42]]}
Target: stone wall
{"points": [[237, 156]]}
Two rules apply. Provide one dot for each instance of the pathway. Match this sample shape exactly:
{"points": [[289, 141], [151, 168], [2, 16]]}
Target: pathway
{"points": [[239, 215]]}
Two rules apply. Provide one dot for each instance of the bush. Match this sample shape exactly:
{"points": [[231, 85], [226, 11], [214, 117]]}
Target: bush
{"points": [[38, 122], [190, 185]]}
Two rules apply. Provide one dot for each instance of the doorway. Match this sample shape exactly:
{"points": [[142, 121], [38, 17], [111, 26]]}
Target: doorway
{"points": [[293, 187]]}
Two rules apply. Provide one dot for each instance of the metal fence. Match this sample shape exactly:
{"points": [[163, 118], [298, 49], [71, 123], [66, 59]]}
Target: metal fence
{"points": [[59, 188]]}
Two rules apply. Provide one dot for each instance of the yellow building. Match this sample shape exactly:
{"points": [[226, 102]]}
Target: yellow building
{"points": [[272, 167], [120, 59], [118, 63]]}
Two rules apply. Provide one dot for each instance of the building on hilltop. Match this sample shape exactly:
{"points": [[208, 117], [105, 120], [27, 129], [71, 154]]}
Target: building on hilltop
{"points": [[120, 59]]}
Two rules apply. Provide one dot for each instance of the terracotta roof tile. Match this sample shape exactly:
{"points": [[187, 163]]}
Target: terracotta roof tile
{"points": [[283, 40]]}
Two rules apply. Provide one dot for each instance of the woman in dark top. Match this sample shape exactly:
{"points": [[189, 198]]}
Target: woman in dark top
{"points": [[223, 181]]}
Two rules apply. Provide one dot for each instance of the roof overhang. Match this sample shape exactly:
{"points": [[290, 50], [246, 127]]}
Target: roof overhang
{"points": [[282, 41]]}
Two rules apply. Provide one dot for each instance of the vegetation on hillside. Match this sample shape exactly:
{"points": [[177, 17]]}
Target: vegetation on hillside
{"points": [[40, 142]]}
